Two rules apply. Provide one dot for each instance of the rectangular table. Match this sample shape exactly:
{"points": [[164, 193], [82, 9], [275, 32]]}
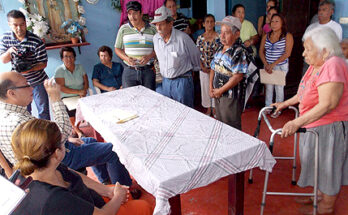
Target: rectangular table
{"points": [[171, 148]]}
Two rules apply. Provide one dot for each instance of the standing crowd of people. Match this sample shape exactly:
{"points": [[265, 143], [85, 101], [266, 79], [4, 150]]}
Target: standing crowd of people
{"points": [[49, 153]]}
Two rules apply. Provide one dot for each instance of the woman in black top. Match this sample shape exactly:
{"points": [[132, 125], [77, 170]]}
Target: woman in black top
{"points": [[57, 190]]}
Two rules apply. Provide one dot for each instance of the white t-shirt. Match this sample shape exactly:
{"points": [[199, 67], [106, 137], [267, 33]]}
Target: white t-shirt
{"points": [[332, 24]]}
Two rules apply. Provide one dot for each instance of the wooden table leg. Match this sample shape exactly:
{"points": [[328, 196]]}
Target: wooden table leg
{"points": [[236, 194], [175, 205]]}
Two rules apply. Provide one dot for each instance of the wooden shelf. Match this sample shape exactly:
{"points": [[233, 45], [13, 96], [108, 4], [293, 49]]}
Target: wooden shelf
{"points": [[68, 45]]}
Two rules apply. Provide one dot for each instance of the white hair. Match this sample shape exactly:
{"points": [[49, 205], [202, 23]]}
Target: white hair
{"points": [[325, 38]]}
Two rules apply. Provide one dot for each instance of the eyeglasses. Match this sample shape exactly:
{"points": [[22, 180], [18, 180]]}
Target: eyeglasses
{"points": [[20, 87], [69, 57]]}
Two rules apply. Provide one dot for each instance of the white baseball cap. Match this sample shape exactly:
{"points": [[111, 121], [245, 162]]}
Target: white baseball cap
{"points": [[231, 21], [161, 14]]}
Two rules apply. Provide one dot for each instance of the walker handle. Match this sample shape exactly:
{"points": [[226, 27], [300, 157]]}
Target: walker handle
{"points": [[301, 130]]}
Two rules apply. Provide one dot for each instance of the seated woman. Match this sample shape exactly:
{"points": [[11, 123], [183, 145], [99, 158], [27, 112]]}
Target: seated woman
{"points": [[57, 190], [323, 101], [72, 79], [107, 75]]}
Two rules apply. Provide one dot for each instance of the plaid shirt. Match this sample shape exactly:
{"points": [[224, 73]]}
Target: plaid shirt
{"points": [[13, 115]]}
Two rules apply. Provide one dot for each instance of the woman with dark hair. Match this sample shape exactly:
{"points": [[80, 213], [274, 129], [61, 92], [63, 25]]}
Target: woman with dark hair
{"points": [[57, 190], [263, 19], [266, 28], [107, 75], [275, 49], [72, 79], [248, 33], [207, 44]]}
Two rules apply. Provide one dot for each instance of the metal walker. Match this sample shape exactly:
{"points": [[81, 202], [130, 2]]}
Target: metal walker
{"points": [[271, 143], [262, 114]]}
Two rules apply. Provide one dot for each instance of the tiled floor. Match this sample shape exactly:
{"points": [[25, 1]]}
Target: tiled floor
{"points": [[212, 199]]}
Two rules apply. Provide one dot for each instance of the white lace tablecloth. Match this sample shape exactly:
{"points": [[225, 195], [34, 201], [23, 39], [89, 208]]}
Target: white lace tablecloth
{"points": [[171, 148]]}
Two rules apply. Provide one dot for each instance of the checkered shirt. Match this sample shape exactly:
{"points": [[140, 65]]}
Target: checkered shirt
{"points": [[13, 115]]}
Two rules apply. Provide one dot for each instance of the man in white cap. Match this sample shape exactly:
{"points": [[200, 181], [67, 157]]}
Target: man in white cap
{"points": [[228, 68], [178, 57]]}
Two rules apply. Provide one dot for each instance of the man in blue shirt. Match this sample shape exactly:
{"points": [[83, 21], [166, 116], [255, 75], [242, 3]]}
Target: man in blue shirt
{"points": [[107, 75], [28, 55], [178, 57]]}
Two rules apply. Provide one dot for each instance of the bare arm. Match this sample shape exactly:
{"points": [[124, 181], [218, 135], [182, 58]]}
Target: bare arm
{"points": [[329, 97], [121, 54], [101, 189], [39, 66], [211, 87], [121, 194], [5, 166], [259, 25], [102, 86], [262, 50], [147, 58], [85, 82], [64, 89], [117, 195], [288, 48], [252, 41], [60, 115], [233, 81], [6, 57], [290, 102]]}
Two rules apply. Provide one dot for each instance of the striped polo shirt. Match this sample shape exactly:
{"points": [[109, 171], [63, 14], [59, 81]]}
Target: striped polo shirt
{"points": [[31, 44], [136, 43], [181, 22], [275, 50]]}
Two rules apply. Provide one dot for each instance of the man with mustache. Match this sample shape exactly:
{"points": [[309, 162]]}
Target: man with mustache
{"points": [[134, 46], [178, 57]]}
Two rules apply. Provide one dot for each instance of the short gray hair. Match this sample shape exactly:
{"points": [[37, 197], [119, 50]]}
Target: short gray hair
{"points": [[325, 38], [331, 3], [235, 29]]}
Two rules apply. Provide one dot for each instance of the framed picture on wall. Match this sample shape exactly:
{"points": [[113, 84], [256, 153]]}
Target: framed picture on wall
{"points": [[56, 12]]}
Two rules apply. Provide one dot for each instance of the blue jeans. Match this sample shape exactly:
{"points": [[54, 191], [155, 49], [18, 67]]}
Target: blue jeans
{"points": [[131, 77], [41, 100], [100, 156], [179, 89]]}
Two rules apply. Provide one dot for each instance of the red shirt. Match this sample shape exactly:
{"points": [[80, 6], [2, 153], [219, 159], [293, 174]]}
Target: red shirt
{"points": [[334, 69]]}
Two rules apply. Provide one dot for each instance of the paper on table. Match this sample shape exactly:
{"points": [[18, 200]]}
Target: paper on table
{"points": [[71, 102], [277, 77], [10, 197], [120, 116]]}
